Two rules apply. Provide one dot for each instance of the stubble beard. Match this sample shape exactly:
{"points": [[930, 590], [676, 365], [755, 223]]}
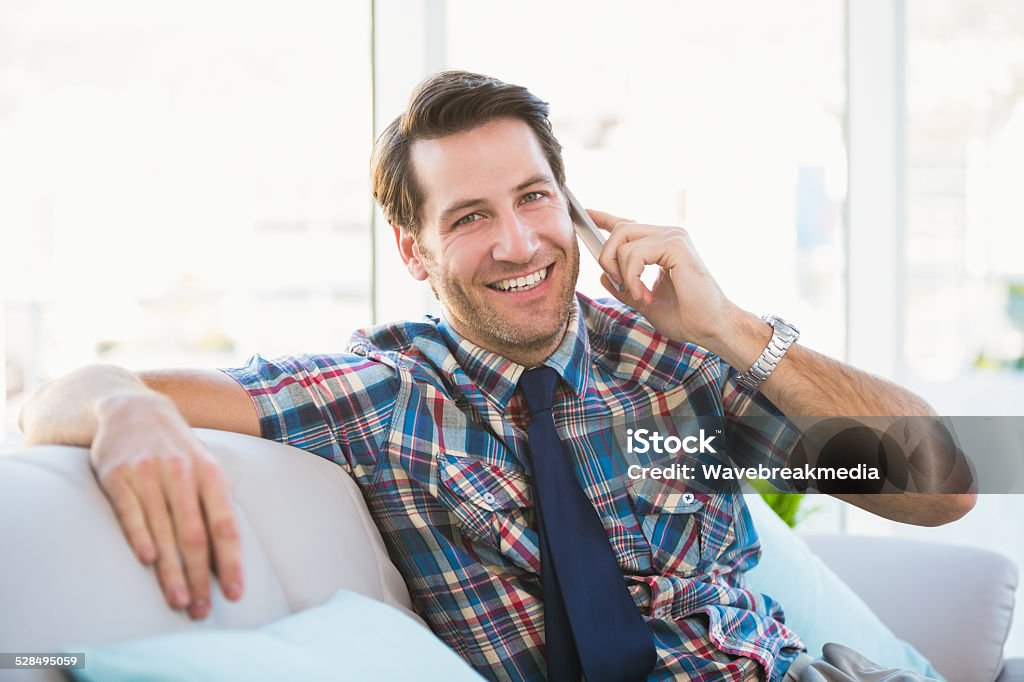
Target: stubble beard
{"points": [[494, 332]]}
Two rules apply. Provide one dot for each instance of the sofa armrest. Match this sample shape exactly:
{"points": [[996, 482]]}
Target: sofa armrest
{"points": [[955, 604], [68, 577]]}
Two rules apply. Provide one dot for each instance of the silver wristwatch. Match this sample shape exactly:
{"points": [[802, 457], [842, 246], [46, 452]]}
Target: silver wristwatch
{"points": [[784, 335]]}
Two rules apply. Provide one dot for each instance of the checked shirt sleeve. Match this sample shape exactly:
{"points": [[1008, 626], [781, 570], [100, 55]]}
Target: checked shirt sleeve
{"points": [[757, 432], [337, 406]]}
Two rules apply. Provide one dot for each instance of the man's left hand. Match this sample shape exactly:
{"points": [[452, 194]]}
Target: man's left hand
{"points": [[685, 304]]}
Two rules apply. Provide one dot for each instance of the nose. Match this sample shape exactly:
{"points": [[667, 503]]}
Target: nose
{"points": [[517, 241]]}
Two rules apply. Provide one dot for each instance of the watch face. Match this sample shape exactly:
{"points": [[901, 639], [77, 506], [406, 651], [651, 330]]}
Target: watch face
{"points": [[786, 327]]}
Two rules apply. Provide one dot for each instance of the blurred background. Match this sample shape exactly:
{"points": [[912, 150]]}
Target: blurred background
{"points": [[185, 184]]}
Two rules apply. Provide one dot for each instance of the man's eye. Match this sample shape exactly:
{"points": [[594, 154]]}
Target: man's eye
{"points": [[532, 196], [467, 219]]}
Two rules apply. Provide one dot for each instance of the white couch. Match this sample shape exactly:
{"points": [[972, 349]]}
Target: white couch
{"points": [[67, 575]]}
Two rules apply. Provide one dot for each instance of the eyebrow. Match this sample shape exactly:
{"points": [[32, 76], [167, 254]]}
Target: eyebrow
{"points": [[457, 208]]}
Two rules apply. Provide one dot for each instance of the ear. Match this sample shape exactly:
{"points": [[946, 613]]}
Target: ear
{"points": [[410, 253]]}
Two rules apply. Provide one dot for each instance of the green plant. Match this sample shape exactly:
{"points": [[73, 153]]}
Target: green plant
{"points": [[786, 505]]}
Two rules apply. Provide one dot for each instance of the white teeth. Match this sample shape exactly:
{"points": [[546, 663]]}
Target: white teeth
{"points": [[524, 283]]}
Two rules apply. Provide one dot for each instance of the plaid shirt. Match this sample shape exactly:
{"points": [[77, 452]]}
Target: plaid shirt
{"points": [[433, 430]]}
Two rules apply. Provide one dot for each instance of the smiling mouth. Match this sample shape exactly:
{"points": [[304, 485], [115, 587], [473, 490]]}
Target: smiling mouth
{"points": [[524, 283]]}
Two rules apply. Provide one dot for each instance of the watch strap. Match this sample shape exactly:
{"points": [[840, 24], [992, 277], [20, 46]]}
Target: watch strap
{"points": [[784, 335]]}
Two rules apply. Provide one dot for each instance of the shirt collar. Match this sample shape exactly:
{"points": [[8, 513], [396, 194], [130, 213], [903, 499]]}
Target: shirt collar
{"points": [[497, 377]]}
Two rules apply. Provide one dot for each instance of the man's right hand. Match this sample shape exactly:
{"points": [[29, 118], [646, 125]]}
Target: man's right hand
{"points": [[170, 497]]}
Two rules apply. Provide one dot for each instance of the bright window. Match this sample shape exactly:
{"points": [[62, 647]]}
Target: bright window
{"points": [[184, 183], [965, 221]]}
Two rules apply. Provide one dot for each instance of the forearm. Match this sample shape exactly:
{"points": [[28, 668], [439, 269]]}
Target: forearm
{"points": [[811, 384], [807, 383], [64, 411]]}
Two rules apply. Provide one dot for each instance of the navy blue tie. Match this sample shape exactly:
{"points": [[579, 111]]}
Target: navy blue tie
{"points": [[590, 620]]}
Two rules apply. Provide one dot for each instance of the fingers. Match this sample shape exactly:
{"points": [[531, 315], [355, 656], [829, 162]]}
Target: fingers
{"points": [[631, 247], [684, 303], [634, 256], [168, 564], [220, 519], [175, 511], [172, 503], [612, 260], [606, 221], [190, 532], [131, 518]]}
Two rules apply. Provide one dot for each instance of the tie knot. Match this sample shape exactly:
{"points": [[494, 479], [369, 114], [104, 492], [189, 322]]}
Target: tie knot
{"points": [[539, 386]]}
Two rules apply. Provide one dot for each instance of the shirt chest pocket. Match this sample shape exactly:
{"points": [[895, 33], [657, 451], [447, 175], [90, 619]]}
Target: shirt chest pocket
{"points": [[672, 523], [492, 505]]}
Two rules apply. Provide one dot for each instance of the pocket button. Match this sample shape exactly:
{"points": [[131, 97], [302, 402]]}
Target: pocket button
{"points": [[489, 498], [688, 498]]}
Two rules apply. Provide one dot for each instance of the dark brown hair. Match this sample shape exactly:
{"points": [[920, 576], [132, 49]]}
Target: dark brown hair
{"points": [[445, 103]]}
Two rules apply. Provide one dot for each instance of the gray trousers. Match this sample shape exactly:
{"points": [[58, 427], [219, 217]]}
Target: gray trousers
{"points": [[842, 664]]}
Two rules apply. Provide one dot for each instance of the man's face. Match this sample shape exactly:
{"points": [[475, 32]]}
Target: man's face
{"points": [[496, 240]]}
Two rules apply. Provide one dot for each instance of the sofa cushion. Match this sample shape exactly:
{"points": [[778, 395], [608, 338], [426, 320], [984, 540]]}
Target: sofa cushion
{"points": [[934, 595], [818, 605], [350, 637]]}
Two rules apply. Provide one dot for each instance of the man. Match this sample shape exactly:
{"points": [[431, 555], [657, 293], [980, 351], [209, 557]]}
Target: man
{"points": [[440, 422]]}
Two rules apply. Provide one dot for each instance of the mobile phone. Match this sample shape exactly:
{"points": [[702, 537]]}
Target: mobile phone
{"points": [[589, 233]]}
